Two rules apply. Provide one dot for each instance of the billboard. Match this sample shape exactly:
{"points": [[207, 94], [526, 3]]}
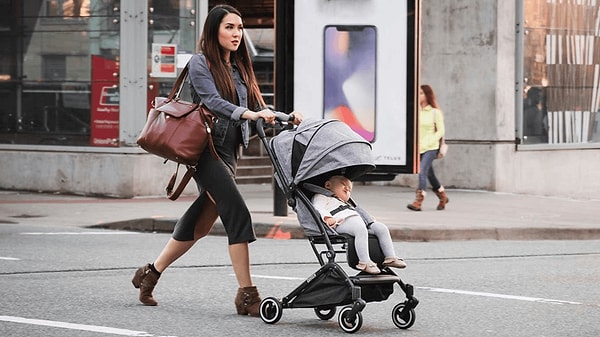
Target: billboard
{"points": [[356, 62]]}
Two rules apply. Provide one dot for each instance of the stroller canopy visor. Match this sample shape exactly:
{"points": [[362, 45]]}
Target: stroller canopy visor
{"points": [[317, 149]]}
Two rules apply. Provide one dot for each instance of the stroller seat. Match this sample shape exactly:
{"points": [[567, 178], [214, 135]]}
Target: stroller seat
{"points": [[345, 239]]}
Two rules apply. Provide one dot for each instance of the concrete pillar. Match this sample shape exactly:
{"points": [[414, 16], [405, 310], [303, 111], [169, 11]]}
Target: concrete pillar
{"points": [[134, 70]]}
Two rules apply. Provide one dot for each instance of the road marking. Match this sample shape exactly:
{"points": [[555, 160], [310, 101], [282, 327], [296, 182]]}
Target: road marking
{"points": [[73, 326], [6, 258], [508, 297], [456, 291], [79, 233], [277, 277]]}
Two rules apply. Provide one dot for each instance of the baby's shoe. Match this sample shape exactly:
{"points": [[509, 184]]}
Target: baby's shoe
{"points": [[368, 267], [394, 262]]}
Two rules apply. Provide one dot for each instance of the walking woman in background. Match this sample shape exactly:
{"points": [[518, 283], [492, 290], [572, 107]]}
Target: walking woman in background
{"points": [[431, 130], [222, 78]]}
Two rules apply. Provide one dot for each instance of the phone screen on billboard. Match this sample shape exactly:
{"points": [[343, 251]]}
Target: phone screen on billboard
{"points": [[349, 77]]}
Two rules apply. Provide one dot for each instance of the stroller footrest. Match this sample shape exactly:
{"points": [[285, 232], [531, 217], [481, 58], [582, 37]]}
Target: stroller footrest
{"points": [[334, 239], [374, 279]]}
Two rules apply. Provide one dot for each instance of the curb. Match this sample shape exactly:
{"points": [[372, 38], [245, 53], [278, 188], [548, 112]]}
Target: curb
{"points": [[263, 230], [286, 230]]}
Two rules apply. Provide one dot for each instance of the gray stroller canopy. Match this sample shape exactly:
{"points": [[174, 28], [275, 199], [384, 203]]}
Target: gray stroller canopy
{"points": [[310, 154], [317, 149]]}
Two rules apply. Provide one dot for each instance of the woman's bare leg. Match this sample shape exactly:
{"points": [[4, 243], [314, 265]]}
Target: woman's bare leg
{"points": [[247, 301], [175, 249], [240, 259]]}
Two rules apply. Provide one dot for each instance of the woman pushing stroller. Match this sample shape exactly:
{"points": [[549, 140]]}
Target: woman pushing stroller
{"points": [[343, 217]]}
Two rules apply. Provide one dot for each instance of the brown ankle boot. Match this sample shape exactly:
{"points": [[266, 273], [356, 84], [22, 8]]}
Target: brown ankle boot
{"points": [[416, 205], [441, 194], [145, 279], [247, 301]]}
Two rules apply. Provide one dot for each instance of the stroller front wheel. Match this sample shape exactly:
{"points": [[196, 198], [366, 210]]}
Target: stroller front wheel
{"points": [[270, 310], [402, 316], [348, 323]]}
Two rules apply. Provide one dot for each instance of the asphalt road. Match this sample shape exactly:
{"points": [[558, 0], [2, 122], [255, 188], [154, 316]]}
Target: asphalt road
{"points": [[69, 281]]}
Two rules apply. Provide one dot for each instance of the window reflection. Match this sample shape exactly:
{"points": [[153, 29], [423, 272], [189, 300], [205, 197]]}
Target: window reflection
{"points": [[68, 8], [562, 72]]}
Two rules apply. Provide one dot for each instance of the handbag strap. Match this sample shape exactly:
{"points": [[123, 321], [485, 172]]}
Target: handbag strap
{"points": [[443, 138], [173, 195], [208, 124], [176, 89]]}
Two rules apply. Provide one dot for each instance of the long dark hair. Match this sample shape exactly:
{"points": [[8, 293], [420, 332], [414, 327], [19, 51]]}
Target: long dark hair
{"points": [[210, 47], [428, 91]]}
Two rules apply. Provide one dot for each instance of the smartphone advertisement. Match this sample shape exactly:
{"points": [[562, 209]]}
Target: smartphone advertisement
{"points": [[356, 61], [349, 77]]}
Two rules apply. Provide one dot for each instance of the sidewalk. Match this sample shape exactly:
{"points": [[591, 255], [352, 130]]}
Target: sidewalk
{"points": [[470, 215]]}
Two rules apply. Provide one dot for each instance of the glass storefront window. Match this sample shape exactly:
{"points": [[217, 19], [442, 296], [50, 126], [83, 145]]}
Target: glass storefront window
{"points": [[171, 26], [261, 42], [59, 65], [561, 102], [172, 23], [45, 68]]}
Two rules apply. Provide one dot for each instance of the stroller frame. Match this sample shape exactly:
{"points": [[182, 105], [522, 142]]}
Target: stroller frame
{"points": [[331, 280]]}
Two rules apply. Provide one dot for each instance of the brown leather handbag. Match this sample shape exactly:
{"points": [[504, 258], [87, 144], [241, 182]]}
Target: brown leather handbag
{"points": [[178, 131]]}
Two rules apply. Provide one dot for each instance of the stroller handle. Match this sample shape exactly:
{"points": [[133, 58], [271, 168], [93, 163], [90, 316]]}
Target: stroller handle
{"points": [[279, 117]]}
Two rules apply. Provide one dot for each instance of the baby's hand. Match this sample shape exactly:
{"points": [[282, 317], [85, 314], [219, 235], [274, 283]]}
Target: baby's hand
{"points": [[331, 221]]}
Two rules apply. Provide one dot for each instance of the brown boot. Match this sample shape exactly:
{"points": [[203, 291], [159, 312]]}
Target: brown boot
{"points": [[441, 194], [145, 279], [247, 301], [416, 205]]}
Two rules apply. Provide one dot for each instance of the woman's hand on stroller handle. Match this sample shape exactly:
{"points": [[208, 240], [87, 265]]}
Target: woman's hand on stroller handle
{"points": [[294, 117], [267, 115], [281, 118]]}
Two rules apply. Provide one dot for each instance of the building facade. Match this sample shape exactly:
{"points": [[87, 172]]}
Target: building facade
{"points": [[483, 58], [517, 80]]}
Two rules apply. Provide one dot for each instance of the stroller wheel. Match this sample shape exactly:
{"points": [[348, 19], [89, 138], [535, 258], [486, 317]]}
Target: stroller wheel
{"points": [[347, 323], [325, 313], [402, 316], [270, 310]]}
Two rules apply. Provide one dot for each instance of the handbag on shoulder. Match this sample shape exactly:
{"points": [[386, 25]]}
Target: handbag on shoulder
{"points": [[179, 131], [443, 148]]}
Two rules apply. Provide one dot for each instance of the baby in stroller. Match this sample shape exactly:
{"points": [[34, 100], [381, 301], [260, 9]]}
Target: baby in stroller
{"points": [[343, 217]]}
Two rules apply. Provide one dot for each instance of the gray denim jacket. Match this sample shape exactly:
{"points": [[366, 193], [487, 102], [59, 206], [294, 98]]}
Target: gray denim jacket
{"points": [[228, 114]]}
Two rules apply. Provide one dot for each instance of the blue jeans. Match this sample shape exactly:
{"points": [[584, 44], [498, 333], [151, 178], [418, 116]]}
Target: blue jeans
{"points": [[427, 172]]}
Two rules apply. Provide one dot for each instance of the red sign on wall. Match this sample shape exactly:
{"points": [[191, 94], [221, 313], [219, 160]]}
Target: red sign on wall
{"points": [[105, 102]]}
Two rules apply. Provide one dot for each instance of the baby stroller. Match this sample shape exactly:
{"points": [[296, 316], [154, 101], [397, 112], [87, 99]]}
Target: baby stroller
{"points": [[303, 159]]}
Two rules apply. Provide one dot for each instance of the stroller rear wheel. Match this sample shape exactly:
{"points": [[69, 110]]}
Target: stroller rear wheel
{"points": [[348, 323], [402, 316], [325, 313], [270, 310]]}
